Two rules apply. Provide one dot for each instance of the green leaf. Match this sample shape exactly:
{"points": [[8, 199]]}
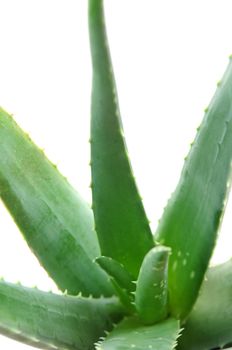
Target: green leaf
{"points": [[130, 334], [117, 271], [151, 297], [210, 323], [56, 223], [191, 219], [126, 299], [121, 280], [121, 224], [46, 320]]}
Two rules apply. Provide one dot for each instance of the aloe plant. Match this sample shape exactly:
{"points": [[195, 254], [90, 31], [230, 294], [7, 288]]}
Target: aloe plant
{"points": [[122, 286]]}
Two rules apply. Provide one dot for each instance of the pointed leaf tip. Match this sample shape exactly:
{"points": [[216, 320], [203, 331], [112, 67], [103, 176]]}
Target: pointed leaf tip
{"points": [[191, 220], [122, 227]]}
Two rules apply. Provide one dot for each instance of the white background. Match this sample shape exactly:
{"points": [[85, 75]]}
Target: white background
{"points": [[167, 55]]}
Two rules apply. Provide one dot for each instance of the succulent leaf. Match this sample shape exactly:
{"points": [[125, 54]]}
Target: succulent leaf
{"points": [[121, 224], [192, 217], [56, 223], [51, 321], [210, 323], [59, 227], [126, 299], [120, 279], [131, 334], [117, 271], [151, 297]]}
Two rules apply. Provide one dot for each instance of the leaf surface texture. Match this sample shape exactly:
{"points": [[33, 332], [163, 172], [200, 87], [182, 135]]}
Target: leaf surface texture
{"points": [[56, 223], [49, 321], [190, 222], [130, 334], [209, 324], [121, 223]]}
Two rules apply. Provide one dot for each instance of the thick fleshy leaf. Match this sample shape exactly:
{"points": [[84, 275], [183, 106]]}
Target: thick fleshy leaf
{"points": [[191, 219], [117, 271], [130, 334], [151, 297], [209, 325], [121, 224], [46, 320], [56, 223], [120, 279], [126, 299]]}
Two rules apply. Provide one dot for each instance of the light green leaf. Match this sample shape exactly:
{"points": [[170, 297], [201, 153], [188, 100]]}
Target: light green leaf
{"points": [[47, 320], [56, 223], [151, 297], [209, 325], [192, 217], [130, 334], [121, 224]]}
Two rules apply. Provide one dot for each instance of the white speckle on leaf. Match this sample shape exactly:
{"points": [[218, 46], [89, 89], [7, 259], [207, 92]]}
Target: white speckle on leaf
{"points": [[162, 284], [174, 266], [192, 274]]}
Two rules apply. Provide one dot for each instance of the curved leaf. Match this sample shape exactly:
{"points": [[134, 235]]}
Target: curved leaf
{"points": [[117, 271], [191, 219], [151, 296], [126, 299], [209, 325], [56, 223], [47, 320], [130, 334]]}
